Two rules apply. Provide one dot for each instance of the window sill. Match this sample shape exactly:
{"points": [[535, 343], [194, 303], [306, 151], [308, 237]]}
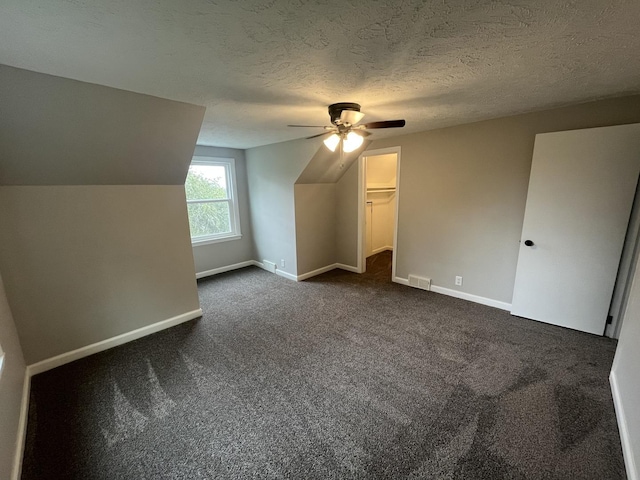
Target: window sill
{"points": [[208, 241]]}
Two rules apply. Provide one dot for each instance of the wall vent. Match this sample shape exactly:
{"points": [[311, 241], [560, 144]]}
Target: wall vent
{"points": [[269, 266], [420, 282]]}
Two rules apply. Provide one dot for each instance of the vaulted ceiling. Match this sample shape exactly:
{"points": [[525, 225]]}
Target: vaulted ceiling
{"points": [[258, 65]]}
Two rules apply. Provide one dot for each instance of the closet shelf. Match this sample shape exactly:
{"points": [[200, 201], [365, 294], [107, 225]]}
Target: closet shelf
{"points": [[380, 189]]}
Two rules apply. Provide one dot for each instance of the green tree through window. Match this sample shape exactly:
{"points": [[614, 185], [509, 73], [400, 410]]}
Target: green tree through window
{"points": [[209, 200]]}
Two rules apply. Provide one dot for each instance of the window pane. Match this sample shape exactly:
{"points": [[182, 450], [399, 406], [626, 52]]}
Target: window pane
{"points": [[209, 218], [206, 182]]}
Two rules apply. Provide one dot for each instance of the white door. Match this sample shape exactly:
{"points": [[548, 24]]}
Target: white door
{"points": [[581, 190]]}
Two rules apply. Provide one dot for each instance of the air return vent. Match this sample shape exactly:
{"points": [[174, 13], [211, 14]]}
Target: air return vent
{"points": [[269, 266], [420, 282]]}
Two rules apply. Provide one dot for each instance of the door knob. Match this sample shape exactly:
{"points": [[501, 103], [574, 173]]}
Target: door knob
{"points": [[528, 243]]}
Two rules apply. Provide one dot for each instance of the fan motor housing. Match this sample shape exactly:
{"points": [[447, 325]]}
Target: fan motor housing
{"points": [[335, 110]]}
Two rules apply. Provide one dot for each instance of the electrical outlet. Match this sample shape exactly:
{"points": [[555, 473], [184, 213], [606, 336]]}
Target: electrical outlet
{"points": [[459, 281], [282, 262]]}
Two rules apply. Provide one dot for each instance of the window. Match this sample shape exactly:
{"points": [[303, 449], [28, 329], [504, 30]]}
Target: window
{"points": [[212, 200]]}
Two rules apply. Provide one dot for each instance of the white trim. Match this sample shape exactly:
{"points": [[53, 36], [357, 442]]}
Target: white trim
{"points": [[232, 198], [277, 271], [208, 241], [382, 249], [226, 268], [362, 199], [625, 440], [82, 352], [284, 274], [361, 263], [71, 356], [394, 258], [348, 268], [462, 295], [209, 160], [318, 271], [472, 298], [22, 426]]}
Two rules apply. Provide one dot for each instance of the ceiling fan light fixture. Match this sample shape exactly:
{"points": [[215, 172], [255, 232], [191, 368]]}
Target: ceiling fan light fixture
{"points": [[351, 117], [332, 142], [352, 141], [346, 130]]}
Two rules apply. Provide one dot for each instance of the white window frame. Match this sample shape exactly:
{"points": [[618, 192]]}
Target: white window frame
{"points": [[232, 200]]}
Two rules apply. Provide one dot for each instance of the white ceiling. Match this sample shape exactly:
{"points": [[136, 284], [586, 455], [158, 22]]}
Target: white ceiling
{"points": [[260, 65]]}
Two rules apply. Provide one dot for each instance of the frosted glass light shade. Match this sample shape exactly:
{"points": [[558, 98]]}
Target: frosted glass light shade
{"points": [[352, 142], [332, 142]]}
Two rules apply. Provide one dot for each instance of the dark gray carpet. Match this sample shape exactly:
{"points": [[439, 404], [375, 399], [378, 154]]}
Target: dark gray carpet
{"points": [[341, 376]]}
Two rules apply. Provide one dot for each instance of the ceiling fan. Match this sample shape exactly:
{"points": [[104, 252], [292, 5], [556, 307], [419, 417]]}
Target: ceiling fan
{"points": [[344, 128]]}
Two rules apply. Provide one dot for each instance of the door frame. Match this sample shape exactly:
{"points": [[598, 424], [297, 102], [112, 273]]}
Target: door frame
{"points": [[362, 200]]}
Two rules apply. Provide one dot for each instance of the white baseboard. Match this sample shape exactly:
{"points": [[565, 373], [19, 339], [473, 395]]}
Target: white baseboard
{"points": [[348, 268], [304, 276], [227, 268], [68, 357], [629, 461], [315, 272], [22, 426], [381, 249], [328, 268], [284, 274], [463, 295], [472, 298]]}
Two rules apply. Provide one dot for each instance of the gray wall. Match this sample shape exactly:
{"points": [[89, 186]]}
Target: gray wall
{"points": [[463, 191], [83, 264], [11, 384], [347, 217], [216, 255], [625, 379], [57, 131], [315, 207], [272, 171]]}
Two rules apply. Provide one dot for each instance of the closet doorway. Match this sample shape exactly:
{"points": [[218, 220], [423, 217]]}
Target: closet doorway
{"points": [[379, 187]]}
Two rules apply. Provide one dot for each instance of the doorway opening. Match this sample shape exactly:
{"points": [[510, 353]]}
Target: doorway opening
{"points": [[379, 174]]}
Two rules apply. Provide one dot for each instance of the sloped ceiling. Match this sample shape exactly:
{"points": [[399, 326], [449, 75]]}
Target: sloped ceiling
{"points": [[327, 166], [56, 131], [258, 65]]}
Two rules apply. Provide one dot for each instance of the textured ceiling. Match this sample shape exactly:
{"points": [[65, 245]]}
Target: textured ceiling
{"points": [[259, 65]]}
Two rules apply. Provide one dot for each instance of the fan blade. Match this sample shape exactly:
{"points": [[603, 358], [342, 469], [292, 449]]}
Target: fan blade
{"points": [[308, 126], [364, 133], [319, 135], [386, 124], [350, 116]]}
